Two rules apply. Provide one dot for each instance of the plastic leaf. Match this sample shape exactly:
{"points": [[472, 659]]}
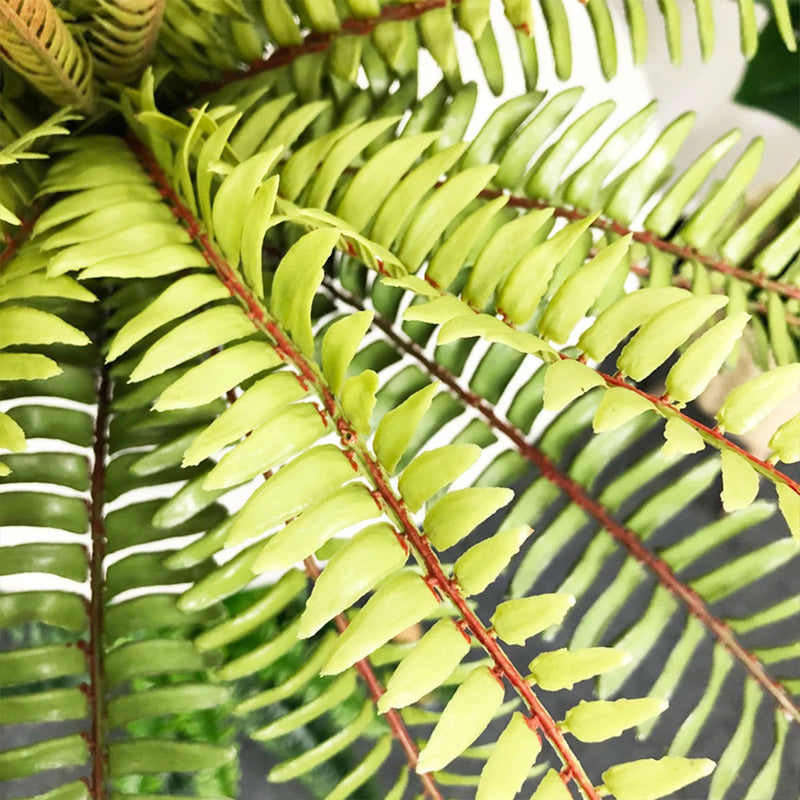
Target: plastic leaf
{"points": [[703, 359], [433, 470], [649, 779], [508, 765], [358, 399], [280, 438], [303, 481], [308, 532], [340, 344], [249, 410], [296, 281], [562, 669], [370, 556], [464, 718], [617, 406], [400, 601], [566, 380], [218, 375], [663, 333], [681, 439], [427, 666], [398, 426], [576, 295], [598, 720], [747, 404], [456, 514], [551, 787], [486, 560], [515, 621], [199, 334], [739, 482], [622, 316]]}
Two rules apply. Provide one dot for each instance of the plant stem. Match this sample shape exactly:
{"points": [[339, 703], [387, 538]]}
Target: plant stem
{"points": [[351, 440], [320, 42], [695, 604], [664, 245], [96, 689], [13, 241]]}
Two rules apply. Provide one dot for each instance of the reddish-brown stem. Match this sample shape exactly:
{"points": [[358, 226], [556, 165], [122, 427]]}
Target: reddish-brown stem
{"points": [[398, 727], [319, 42], [13, 241], [351, 440], [94, 652], [695, 604], [665, 246]]}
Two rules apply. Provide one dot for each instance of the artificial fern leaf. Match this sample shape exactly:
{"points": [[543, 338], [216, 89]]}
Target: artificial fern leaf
{"points": [[39, 45]]}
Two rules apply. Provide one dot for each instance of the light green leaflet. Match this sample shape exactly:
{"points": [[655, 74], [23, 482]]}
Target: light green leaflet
{"points": [[340, 343], [433, 470], [400, 601], [598, 720], [562, 669], [649, 779], [428, 665], [515, 621], [464, 718], [287, 434], [370, 556], [459, 512], [485, 561], [566, 380], [253, 407], [195, 336], [510, 760], [296, 281], [739, 481], [218, 374]]}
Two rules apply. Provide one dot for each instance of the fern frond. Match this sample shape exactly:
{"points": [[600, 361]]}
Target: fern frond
{"points": [[405, 591], [383, 37], [38, 44], [123, 38], [114, 666]]}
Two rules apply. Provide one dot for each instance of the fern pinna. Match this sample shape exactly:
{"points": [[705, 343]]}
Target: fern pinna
{"points": [[329, 411]]}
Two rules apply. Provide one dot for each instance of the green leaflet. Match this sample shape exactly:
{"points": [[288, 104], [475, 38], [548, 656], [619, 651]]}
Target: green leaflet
{"points": [[249, 410], [577, 294], [199, 334], [598, 720], [399, 602], [20, 325], [285, 435], [358, 399], [786, 441], [508, 765], [218, 375], [27, 367], [562, 669], [309, 477], [649, 779], [464, 718], [306, 533], [427, 666], [622, 316], [257, 221], [739, 481], [551, 787], [233, 200], [433, 470], [12, 437], [456, 514], [370, 556], [340, 344], [493, 330], [747, 404], [566, 380], [515, 621], [617, 406], [486, 560], [680, 438], [664, 332], [296, 281], [704, 357], [398, 426]]}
